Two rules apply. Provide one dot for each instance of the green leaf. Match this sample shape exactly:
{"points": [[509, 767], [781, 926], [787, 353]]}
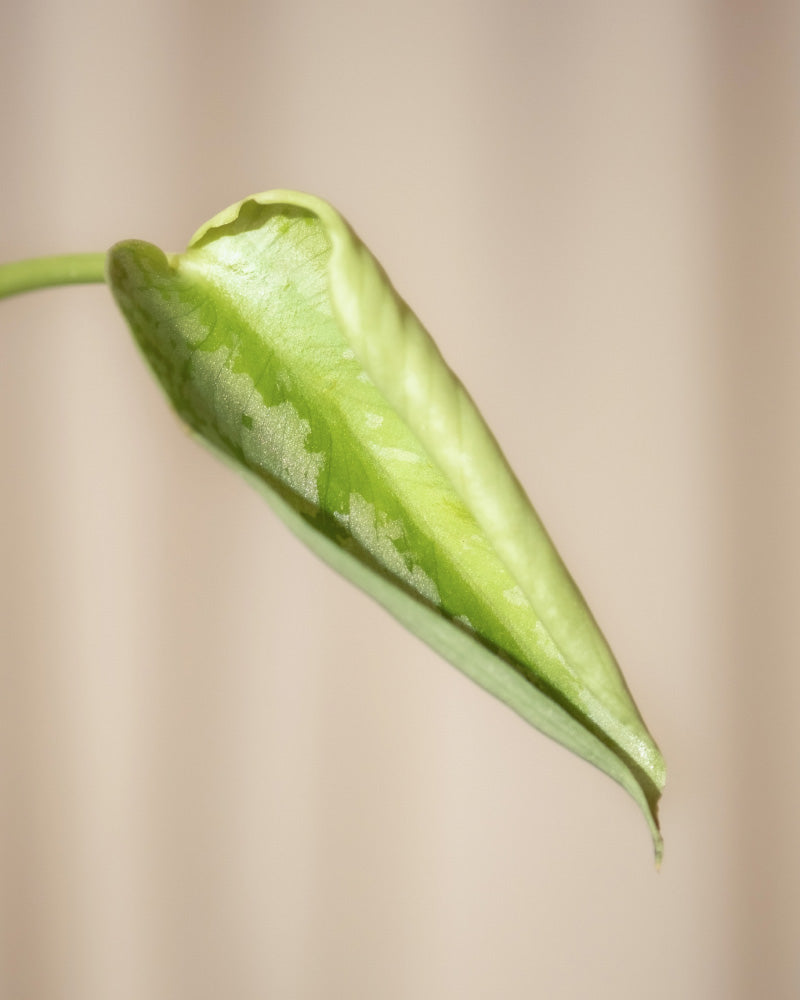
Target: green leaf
{"points": [[280, 341]]}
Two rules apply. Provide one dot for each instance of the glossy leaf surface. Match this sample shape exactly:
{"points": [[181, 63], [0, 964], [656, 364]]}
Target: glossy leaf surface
{"points": [[280, 341]]}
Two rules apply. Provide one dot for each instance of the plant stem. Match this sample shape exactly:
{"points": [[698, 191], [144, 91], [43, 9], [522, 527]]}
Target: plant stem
{"points": [[44, 272]]}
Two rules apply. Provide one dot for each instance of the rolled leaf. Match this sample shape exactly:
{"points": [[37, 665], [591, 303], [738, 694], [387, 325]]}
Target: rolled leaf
{"points": [[280, 341]]}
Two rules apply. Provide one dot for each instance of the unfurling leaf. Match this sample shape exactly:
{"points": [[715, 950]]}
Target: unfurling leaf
{"points": [[280, 341]]}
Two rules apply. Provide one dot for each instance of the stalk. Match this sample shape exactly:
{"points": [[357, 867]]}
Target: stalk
{"points": [[48, 272]]}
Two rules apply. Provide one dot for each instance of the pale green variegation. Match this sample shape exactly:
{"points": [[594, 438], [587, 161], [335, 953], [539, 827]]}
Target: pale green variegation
{"points": [[280, 341]]}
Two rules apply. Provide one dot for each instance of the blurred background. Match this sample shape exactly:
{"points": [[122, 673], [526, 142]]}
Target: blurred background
{"points": [[226, 773]]}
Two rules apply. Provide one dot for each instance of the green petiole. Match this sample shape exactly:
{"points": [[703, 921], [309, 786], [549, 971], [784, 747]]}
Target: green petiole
{"points": [[47, 272]]}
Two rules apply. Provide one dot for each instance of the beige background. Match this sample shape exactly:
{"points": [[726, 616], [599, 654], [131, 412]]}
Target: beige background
{"points": [[224, 772]]}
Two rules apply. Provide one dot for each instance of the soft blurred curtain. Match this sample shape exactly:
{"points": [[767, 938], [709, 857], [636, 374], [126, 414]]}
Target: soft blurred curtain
{"points": [[225, 773]]}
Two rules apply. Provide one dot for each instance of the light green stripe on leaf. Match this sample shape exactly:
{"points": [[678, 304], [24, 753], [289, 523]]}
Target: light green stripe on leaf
{"points": [[279, 339]]}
